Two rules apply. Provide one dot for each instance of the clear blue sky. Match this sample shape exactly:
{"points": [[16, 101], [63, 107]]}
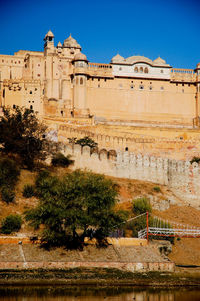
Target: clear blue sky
{"points": [[166, 28]]}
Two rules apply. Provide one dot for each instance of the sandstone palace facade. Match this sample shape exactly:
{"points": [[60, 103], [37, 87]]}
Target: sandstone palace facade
{"points": [[60, 83]]}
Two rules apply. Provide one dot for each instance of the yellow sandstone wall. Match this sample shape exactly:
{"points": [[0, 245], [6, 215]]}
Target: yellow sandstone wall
{"points": [[115, 99]]}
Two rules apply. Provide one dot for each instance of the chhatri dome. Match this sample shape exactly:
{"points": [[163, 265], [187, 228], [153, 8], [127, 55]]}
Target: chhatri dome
{"points": [[49, 34], [117, 59], [71, 43], [80, 57], [138, 58], [59, 45], [159, 61]]}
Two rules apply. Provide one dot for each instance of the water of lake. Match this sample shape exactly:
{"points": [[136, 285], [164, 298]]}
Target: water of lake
{"points": [[96, 293]]}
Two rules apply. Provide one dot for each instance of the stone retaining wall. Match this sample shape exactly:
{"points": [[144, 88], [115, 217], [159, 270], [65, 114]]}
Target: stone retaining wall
{"points": [[130, 258], [128, 266]]}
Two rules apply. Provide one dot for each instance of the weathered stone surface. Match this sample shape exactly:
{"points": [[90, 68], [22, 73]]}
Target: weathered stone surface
{"points": [[183, 178], [137, 258]]}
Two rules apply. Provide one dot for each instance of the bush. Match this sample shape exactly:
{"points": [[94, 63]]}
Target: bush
{"points": [[61, 160], [136, 225], [28, 191], [141, 205], [87, 141], [157, 189], [7, 194], [12, 223], [9, 172], [195, 159]]}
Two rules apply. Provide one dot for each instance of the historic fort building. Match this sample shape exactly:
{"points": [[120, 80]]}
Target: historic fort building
{"points": [[61, 83]]}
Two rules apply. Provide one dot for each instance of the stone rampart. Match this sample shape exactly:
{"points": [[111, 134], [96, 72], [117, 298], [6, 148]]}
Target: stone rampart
{"points": [[137, 143], [181, 176]]}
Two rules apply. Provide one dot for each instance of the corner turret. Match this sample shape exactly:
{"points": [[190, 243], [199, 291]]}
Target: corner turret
{"points": [[80, 85], [49, 42]]}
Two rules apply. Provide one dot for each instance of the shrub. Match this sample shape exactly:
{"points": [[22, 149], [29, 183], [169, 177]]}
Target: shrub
{"points": [[7, 194], [61, 160], [136, 225], [157, 189], [28, 191], [87, 141], [195, 159], [9, 172], [12, 223], [141, 205]]}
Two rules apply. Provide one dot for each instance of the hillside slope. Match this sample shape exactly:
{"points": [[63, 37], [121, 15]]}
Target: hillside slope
{"points": [[165, 206]]}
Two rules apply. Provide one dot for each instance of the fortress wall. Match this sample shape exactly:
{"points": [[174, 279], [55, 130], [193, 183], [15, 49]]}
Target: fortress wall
{"points": [[165, 103], [137, 144], [182, 177]]}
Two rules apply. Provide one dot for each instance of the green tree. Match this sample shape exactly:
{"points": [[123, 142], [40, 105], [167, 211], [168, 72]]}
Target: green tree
{"points": [[87, 141], [71, 207], [21, 133]]}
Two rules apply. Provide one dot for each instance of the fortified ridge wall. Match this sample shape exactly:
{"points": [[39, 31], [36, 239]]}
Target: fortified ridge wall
{"points": [[181, 176], [137, 143]]}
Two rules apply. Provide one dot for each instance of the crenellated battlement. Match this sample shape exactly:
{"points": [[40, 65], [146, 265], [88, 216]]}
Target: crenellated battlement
{"points": [[136, 143], [181, 176]]}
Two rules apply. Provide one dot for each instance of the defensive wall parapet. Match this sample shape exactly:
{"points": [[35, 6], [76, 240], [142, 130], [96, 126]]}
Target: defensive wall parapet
{"points": [[138, 143], [181, 176]]}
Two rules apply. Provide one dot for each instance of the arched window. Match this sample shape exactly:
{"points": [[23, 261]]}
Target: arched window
{"points": [[136, 70], [141, 70], [146, 70], [31, 107], [81, 81]]}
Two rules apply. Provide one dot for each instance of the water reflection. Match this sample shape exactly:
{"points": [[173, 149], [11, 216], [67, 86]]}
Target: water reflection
{"points": [[96, 294]]}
